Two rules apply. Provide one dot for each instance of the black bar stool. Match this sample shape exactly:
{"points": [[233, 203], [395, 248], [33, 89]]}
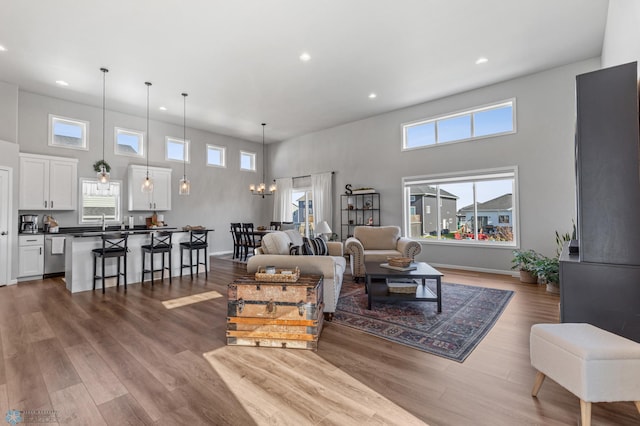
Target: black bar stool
{"points": [[113, 245], [197, 241], [160, 243]]}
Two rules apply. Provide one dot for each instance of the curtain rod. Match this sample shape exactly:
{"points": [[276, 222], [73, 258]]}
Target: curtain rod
{"points": [[304, 176]]}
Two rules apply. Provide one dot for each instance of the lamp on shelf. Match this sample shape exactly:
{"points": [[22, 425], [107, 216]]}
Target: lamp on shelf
{"points": [[185, 185], [261, 188], [324, 230], [147, 184], [103, 173]]}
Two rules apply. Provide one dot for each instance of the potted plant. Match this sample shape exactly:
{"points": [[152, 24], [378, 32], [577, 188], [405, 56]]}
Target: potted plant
{"points": [[524, 261], [548, 270]]}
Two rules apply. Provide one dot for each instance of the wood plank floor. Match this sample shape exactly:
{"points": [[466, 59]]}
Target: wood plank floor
{"points": [[118, 359]]}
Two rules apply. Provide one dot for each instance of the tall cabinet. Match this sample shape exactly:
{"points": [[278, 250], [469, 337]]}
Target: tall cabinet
{"points": [[358, 210], [601, 284]]}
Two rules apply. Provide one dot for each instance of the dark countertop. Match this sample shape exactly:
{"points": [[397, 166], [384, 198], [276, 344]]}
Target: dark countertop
{"points": [[96, 231]]}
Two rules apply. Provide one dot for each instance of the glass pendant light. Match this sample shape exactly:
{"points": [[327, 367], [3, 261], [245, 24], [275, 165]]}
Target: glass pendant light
{"points": [[103, 175], [185, 185], [147, 184]]}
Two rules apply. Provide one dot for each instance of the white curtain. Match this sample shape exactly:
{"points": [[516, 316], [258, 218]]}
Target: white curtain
{"points": [[282, 207], [322, 198]]}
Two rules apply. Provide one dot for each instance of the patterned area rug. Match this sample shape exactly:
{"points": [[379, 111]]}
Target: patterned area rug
{"points": [[468, 313]]}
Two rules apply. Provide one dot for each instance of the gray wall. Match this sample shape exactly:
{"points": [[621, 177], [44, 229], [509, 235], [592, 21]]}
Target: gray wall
{"points": [[218, 195], [368, 153]]}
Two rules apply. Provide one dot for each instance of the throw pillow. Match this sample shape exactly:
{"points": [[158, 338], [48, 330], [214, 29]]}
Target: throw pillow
{"points": [[294, 250], [306, 248], [319, 247]]}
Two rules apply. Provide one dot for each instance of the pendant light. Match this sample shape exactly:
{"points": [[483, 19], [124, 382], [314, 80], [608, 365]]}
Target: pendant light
{"points": [[185, 185], [261, 189], [147, 184], [103, 174]]}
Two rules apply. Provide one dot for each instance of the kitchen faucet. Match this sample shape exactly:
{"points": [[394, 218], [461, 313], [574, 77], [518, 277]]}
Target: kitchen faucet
{"points": [[104, 225]]}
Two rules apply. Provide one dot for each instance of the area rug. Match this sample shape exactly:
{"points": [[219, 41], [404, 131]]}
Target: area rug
{"points": [[468, 313]]}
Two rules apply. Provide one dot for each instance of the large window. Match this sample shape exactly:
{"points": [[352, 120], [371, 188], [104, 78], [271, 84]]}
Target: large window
{"points": [[303, 211], [95, 202], [490, 120], [177, 149], [68, 132], [472, 208], [129, 142]]}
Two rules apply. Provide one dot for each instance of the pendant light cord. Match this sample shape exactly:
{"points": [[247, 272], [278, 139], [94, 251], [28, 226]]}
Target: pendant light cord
{"points": [[148, 85], [184, 136], [263, 171], [104, 106]]}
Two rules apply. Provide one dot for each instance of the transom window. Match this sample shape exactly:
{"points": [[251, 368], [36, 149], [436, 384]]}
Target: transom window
{"points": [[176, 149], [129, 142], [248, 161], [95, 202], [470, 208], [216, 156], [490, 120], [68, 132]]}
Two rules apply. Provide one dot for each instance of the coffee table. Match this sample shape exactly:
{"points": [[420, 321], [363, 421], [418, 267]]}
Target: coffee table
{"points": [[423, 272]]}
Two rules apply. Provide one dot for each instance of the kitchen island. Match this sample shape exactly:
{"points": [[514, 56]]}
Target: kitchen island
{"points": [[79, 257]]}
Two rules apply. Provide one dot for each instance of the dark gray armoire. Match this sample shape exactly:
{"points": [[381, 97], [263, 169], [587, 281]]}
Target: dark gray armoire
{"points": [[601, 284]]}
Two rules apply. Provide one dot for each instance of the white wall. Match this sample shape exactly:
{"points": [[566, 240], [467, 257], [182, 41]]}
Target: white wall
{"points": [[622, 34], [368, 153], [218, 195], [8, 112]]}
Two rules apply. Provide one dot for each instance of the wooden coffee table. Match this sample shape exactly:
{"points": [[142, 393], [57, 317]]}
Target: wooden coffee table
{"points": [[379, 291]]}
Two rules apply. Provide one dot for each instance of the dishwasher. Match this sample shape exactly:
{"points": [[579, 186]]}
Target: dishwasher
{"points": [[54, 246]]}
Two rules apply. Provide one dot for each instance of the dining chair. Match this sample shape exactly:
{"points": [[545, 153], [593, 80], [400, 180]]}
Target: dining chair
{"points": [[236, 234], [249, 237], [275, 226]]}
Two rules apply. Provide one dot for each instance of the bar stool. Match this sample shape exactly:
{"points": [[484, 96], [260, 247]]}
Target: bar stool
{"points": [[160, 243], [113, 245], [197, 241]]}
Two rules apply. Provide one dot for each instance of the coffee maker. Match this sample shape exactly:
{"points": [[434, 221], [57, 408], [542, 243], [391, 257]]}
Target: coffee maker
{"points": [[28, 224]]}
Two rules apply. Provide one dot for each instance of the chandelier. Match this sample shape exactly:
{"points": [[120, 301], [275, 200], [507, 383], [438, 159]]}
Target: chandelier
{"points": [[261, 188]]}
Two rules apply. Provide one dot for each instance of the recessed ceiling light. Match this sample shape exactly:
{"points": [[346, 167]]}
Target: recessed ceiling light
{"points": [[372, 96], [62, 83], [481, 60], [163, 108], [305, 57], [2, 48]]}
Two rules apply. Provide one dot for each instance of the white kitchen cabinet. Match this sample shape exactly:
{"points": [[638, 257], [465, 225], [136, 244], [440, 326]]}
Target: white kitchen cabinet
{"points": [[159, 199], [48, 183], [30, 255]]}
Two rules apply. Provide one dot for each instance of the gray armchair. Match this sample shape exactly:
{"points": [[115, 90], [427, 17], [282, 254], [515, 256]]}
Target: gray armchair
{"points": [[375, 244]]}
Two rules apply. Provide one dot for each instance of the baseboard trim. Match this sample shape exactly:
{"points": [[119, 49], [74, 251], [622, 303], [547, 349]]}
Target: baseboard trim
{"points": [[474, 269]]}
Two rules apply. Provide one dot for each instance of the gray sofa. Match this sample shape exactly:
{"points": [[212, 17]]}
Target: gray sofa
{"points": [[375, 244], [274, 251]]}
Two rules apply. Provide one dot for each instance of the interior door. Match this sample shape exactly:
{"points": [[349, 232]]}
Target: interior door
{"points": [[5, 205]]}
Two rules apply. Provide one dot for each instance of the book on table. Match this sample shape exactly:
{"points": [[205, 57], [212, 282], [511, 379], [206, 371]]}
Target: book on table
{"points": [[411, 267]]}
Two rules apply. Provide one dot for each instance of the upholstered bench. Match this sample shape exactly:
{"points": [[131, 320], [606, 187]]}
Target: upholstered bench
{"points": [[591, 363]]}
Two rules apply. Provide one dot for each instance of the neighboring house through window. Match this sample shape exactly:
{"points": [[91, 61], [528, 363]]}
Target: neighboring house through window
{"points": [[68, 132], [96, 202], [476, 207], [129, 142]]}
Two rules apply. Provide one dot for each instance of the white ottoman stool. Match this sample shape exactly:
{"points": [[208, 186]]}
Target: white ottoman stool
{"points": [[591, 363]]}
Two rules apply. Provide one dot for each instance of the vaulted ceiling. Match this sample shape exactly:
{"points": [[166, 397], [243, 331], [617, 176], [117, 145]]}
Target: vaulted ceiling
{"points": [[240, 60]]}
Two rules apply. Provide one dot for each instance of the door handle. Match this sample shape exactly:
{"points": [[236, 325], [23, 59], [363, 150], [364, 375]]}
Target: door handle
{"points": [[40, 250], [51, 203], [45, 204]]}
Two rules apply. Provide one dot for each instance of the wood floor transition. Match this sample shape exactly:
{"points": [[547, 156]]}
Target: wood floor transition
{"points": [[119, 359]]}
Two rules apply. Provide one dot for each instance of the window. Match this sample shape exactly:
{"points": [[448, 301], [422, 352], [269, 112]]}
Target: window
{"points": [[303, 211], [96, 202], [247, 161], [491, 120], [176, 149], [68, 132], [216, 156], [472, 208], [129, 142]]}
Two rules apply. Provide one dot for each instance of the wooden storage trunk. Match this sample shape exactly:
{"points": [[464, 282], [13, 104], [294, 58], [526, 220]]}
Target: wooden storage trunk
{"points": [[272, 314]]}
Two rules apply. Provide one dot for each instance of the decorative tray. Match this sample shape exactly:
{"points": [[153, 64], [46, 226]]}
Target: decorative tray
{"points": [[280, 276]]}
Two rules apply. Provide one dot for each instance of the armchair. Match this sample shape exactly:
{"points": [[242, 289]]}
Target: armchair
{"points": [[375, 244]]}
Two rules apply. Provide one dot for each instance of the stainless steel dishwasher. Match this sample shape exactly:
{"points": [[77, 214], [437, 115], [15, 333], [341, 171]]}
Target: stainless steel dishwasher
{"points": [[54, 255]]}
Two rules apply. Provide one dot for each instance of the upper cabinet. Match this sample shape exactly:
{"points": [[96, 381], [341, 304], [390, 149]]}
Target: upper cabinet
{"points": [[48, 183], [159, 199]]}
